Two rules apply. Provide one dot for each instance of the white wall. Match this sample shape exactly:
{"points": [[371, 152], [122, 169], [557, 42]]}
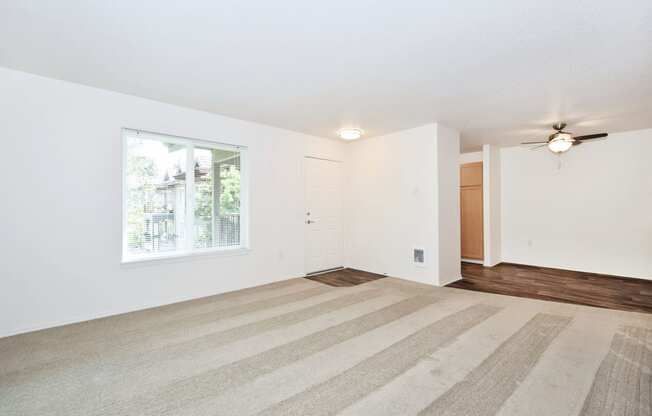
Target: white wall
{"points": [[391, 203], [448, 199], [594, 214], [61, 207], [397, 185], [491, 196], [491, 199]]}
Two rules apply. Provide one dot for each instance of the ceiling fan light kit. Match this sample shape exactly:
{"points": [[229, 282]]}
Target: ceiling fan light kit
{"points": [[561, 141]]}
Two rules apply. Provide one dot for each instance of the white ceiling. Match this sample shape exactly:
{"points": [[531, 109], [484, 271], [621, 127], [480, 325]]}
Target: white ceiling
{"points": [[499, 71]]}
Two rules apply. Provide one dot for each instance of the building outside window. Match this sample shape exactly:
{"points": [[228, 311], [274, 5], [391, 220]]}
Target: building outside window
{"points": [[168, 212]]}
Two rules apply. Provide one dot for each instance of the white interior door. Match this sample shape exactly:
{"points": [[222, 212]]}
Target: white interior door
{"points": [[323, 216]]}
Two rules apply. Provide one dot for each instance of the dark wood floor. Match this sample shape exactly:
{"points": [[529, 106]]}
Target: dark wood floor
{"points": [[591, 289], [345, 277]]}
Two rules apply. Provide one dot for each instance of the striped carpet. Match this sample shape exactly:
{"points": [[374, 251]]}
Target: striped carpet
{"points": [[298, 347]]}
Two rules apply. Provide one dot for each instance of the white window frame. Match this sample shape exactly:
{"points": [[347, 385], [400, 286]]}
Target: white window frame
{"points": [[188, 250]]}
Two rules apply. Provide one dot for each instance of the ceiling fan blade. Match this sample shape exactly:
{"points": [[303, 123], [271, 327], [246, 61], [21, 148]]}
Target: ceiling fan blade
{"points": [[591, 136], [534, 142], [539, 146]]}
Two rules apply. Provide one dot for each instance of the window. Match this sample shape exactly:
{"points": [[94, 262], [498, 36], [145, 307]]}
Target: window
{"points": [[166, 210]]}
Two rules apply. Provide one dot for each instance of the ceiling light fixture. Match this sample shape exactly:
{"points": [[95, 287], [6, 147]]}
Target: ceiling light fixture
{"points": [[560, 142], [350, 134]]}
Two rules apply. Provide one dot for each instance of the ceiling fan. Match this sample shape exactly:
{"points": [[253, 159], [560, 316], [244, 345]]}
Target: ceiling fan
{"points": [[561, 141]]}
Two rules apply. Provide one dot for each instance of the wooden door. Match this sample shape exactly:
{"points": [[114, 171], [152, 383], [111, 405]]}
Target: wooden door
{"points": [[472, 233]]}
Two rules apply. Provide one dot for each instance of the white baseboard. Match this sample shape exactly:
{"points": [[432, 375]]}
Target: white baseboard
{"points": [[119, 311]]}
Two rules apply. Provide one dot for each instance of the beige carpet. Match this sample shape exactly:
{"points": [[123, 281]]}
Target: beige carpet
{"points": [[298, 347]]}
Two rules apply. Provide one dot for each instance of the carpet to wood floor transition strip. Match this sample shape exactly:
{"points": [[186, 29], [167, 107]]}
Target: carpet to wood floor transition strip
{"points": [[332, 396], [486, 388], [190, 390], [623, 383]]}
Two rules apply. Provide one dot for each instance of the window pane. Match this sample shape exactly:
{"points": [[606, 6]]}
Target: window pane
{"points": [[217, 198], [156, 196]]}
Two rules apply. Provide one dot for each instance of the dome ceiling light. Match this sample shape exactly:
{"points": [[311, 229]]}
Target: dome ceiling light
{"points": [[350, 134]]}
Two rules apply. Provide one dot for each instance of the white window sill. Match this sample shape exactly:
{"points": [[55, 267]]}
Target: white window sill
{"points": [[183, 256]]}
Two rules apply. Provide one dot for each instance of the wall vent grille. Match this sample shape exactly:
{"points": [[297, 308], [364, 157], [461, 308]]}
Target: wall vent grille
{"points": [[418, 256]]}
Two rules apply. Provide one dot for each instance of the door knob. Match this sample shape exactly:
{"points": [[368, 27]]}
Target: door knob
{"points": [[309, 222]]}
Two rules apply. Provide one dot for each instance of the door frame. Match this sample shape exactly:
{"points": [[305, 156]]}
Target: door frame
{"points": [[481, 188], [304, 177]]}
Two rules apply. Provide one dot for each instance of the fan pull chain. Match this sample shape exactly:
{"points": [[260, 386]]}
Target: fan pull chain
{"points": [[559, 161]]}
